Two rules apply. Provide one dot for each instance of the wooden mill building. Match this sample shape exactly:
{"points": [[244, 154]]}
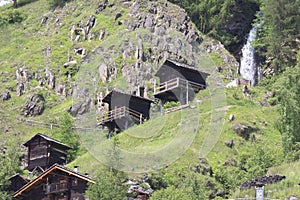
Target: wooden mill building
{"points": [[44, 151], [178, 82], [124, 110], [56, 183]]}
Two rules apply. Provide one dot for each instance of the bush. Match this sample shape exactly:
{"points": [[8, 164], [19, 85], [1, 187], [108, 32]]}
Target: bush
{"points": [[171, 104], [10, 17]]}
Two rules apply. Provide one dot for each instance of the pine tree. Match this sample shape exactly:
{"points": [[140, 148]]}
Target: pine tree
{"points": [[289, 101], [281, 22]]}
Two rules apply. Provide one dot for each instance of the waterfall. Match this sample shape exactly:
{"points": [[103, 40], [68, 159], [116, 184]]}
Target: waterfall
{"points": [[3, 2], [248, 68]]}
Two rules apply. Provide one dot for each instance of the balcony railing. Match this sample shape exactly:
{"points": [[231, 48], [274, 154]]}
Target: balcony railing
{"points": [[175, 83], [119, 113], [56, 188]]}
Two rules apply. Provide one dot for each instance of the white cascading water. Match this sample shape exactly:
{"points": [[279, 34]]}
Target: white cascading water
{"points": [[248, 68], [4, 2]]}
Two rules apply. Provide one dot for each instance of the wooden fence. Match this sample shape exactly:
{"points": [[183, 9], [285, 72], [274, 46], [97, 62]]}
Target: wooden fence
{"points": [[119, 113]]}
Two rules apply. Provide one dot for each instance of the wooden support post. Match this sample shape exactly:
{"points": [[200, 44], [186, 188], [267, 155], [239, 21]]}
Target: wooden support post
{"points": [[141, 118], [187, 92], [161, 106], [181, 97], [154, 86]]}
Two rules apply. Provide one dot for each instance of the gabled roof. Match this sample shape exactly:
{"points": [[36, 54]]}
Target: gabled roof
{"points": [[18, 175], [46, 138], [182, 66], [107, 98], [48, 171]]}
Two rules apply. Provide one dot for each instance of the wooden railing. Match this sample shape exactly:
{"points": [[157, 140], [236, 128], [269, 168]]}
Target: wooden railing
{"points": [[176, 82], [119, 113], [173, 109], [56, 188]]}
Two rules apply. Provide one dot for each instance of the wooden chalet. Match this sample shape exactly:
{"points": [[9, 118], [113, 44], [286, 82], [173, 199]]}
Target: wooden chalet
{"points": [[44, 151], [124, 110], [178, 82], [16, 182], [56, 183]]}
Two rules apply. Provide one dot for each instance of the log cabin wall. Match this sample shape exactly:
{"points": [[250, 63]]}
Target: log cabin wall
{"points": [[170, 71], [38, 153], [167, 73], [135, 103], [140, 106], [57, 185], [44, 152], [58, 154]]}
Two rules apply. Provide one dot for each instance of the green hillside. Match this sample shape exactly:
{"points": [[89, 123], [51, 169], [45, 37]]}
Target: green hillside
{"points": [[59, 56]]}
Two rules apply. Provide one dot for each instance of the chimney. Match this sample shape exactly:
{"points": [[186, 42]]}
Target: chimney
{"points": [[76, 169]]}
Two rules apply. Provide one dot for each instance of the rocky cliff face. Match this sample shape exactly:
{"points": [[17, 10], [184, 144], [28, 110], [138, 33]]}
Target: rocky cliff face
{"points": [[111, 44], [153, 31]]}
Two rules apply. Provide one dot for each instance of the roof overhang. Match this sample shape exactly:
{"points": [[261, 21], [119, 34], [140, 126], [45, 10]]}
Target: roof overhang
{"points": [[108, 97], [48, 171], [46, 138]]}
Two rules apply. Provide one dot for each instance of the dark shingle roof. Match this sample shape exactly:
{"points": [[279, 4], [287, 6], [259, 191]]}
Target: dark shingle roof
{"points": [[183, 65], [108, 96], [53, 167], [46, 138]]}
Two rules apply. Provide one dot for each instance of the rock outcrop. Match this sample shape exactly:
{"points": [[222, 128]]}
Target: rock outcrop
{"points": [[263, 180], [5, 96], [80, 108], [242, 130], [23, 80], [34, 106]]}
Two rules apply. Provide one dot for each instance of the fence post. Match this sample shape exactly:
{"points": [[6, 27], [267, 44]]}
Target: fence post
{"points": [[141, 118]]}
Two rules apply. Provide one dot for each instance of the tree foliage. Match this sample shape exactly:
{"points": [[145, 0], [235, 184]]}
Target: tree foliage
{"points": [[67, 135], [226, 20], [180, 184], [10, 16], [9, 165], [279, 32], [289, 100], [109, 185]]}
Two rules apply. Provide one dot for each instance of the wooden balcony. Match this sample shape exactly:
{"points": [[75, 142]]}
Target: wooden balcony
{"points": [[177, 83], [56, 188], [119, 113]]}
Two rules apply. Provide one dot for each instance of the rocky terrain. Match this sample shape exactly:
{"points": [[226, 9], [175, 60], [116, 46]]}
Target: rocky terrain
{"points": [[64, 59]]}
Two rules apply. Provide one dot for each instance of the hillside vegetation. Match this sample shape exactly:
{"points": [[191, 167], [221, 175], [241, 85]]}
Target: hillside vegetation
{"points": [[57, 57]]}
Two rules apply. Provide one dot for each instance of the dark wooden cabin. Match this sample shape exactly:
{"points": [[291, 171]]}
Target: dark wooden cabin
{"points": [[178, 82], [56, 183], [44, 151], [124, 110], [17, 182]]}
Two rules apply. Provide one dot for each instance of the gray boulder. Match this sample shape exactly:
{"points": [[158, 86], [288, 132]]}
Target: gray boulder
{"points": [[34, 106]]}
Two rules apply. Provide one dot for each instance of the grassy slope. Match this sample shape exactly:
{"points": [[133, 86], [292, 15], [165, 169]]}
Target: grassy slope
{"points": [[22, 44], [153, 136]]}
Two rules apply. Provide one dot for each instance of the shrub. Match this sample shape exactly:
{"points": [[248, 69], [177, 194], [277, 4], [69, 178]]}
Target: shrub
{"points": [[171, 104], [10, 17]]}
